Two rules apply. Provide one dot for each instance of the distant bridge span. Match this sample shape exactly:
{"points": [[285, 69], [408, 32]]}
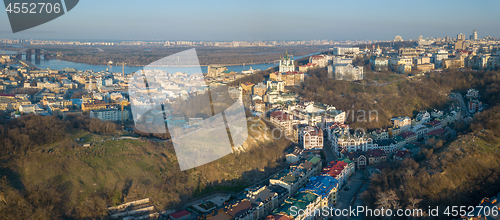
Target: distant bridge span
{"points": [[28, 52]]}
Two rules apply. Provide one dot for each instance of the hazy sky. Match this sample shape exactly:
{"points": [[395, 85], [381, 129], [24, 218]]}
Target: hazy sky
{"points": [[266, 20]]}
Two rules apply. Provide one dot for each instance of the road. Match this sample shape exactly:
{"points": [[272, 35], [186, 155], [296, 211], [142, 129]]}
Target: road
{"points": [[461, 101], [347, 198], [327, 149]]}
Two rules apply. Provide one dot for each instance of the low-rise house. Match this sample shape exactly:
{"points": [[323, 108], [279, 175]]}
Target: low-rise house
{"points": [[306, 201], [379, 134], [402, 154], [420, 130], [358, 158], [343, 143], [311, 138], [180, 215], [282, 121], [475, 106], [376, 156], [243, 209], [260, 89], [266, 199], [388, 145], [276, 86], [422, 118], [297, 175], [338, 170], [110, 115], [260, 106], [326, 187], [278, 217], [294, 156], [409, 136], [414, 149]]}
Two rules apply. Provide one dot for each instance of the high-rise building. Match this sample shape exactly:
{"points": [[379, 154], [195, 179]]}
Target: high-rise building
{"points": [[461, 37], [474, 35]]}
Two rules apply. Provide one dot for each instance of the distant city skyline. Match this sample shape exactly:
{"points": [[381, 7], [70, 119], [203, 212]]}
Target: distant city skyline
{"points": [[265, 21]]}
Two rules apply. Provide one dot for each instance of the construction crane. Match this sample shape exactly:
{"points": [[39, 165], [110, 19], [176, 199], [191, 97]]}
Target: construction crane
{"points": [[123, 68]]}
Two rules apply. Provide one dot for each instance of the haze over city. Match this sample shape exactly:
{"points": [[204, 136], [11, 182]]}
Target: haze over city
{"points": [[265, 20], [249, 110]]}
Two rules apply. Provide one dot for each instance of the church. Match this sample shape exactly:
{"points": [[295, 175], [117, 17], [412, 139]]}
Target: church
{"points": [[286, 64]]}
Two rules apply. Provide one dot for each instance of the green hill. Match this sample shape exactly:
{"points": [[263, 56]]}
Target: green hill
{"points": [[64, 179]]}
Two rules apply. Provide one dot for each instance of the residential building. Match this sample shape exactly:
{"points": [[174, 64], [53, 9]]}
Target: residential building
{"points": [[420, 130], [346, 72], [379, 63], [260, 106], [338, 170], [278, 217], [341, 60], [110, 115], [399, 125], [388, 145], [358, 158], [294, 155], [409, 137], [282, 121], [243, 209], [326, 187], [180, 215], [297, 175], [345, 50], [247, 88], [381, 133], [260, 89], [276, 86], [424, 67], [266, 199], [376, 156], [395, 62], [319, 60], [308, 66], [402, 154], [475, 106], [454, 63], [306, 201], [215, 70], [472, 93], [311, 138], [438, 58]]}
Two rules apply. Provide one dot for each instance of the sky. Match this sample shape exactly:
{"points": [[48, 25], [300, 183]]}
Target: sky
{"points": [[265, 20]]}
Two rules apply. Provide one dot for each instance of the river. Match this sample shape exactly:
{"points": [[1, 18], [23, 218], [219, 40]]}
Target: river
{"points": [[61, 64]]}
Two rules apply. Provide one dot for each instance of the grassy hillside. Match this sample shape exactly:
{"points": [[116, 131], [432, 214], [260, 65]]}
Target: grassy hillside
{"points": [[66, 180]]}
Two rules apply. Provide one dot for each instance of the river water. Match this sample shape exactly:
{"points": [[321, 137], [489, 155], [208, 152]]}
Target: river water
{"points": [[61, 64]]}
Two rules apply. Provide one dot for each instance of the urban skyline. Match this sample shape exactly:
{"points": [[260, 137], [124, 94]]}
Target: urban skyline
{"points": [[228, 21]]}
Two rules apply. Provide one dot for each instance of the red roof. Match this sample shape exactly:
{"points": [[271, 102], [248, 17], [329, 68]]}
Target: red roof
{"points": [[278, 217], [317, 57], [338, 125], [334, 168], [308, 64], [180, 214], [403, 153], [407, 134], [440, 131], [435, 123], [7, 95], [280, 116], [375, 153]]}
